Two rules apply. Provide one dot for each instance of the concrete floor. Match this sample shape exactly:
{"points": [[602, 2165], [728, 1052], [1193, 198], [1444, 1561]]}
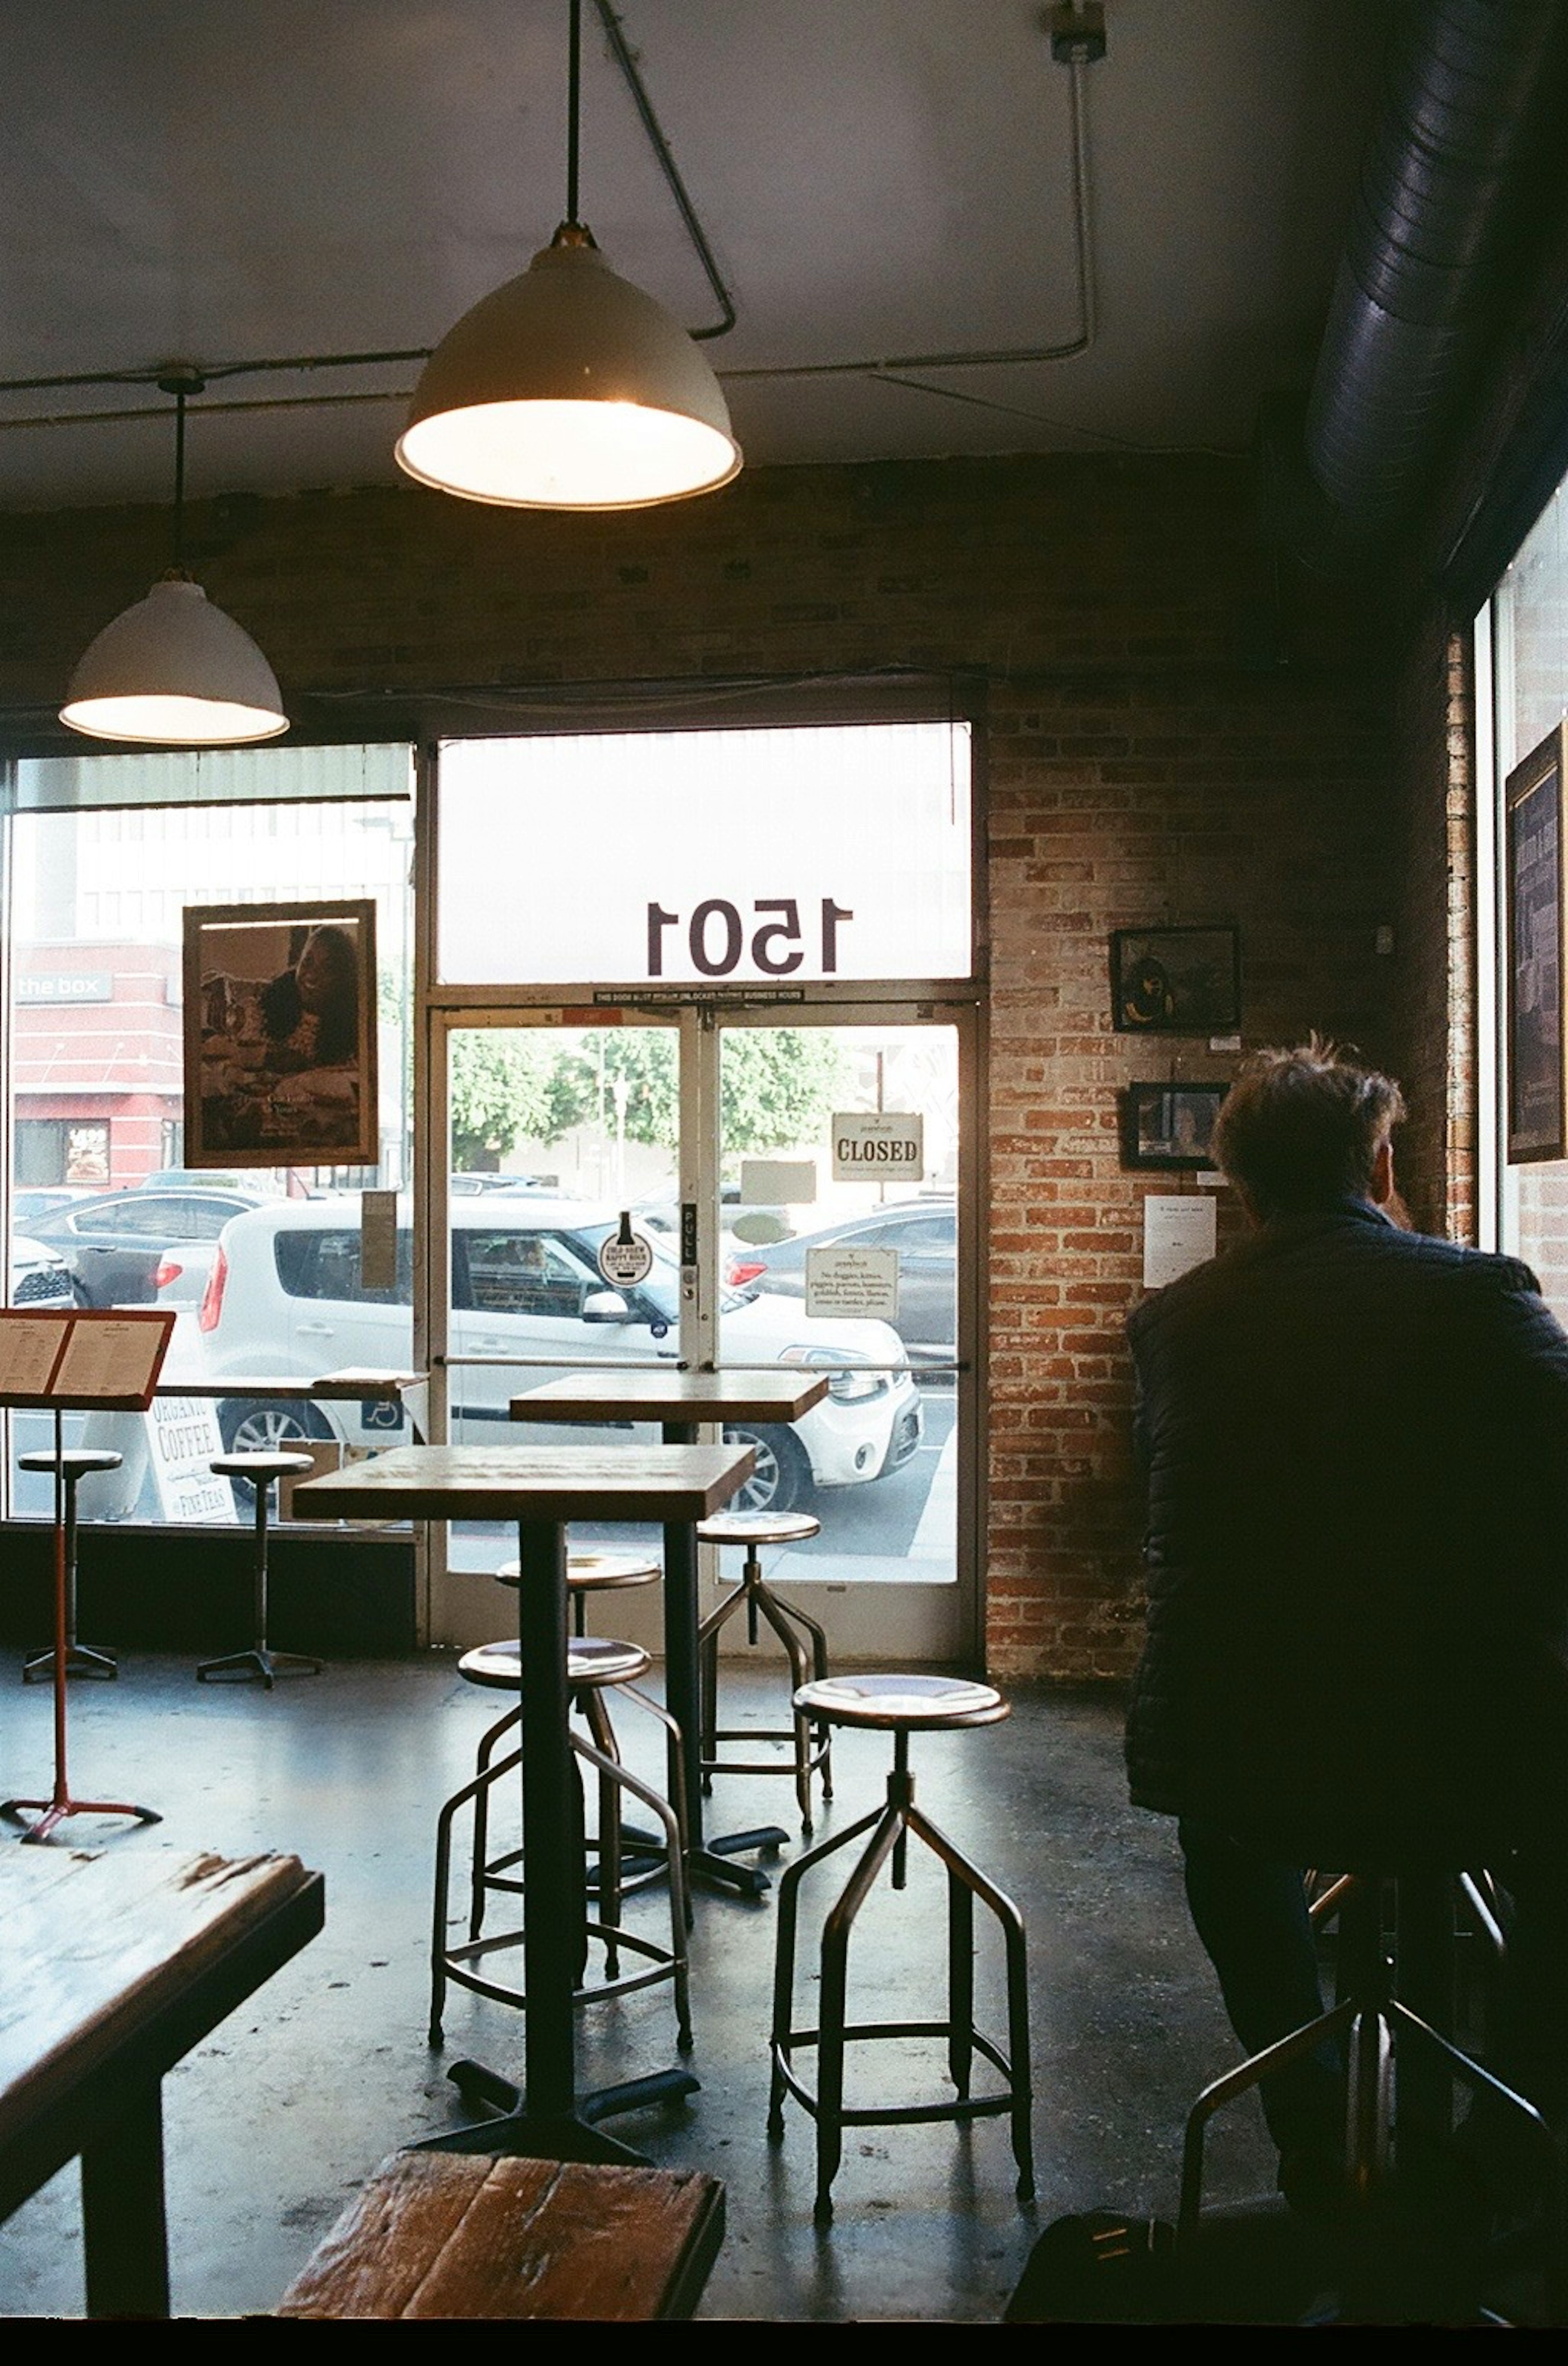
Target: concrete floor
{"points": [[273, 2123]]}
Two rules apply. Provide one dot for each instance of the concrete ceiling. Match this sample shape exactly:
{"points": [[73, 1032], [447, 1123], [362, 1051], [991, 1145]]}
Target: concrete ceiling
{"points": [[217, 181]]}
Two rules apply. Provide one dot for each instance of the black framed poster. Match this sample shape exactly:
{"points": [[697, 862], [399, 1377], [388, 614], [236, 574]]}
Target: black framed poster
{"points": [[1537, 1093]]}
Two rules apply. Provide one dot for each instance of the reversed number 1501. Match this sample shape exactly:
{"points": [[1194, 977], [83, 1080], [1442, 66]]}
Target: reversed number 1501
{"points": [[719, 940]]}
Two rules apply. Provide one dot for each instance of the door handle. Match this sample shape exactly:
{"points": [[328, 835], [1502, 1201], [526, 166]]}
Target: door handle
{"points": [[316, 1330]]}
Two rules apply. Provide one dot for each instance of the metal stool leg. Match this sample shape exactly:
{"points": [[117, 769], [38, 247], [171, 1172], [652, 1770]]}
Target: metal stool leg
{"points": [[479, 1869], [707, 1651], [475, 1790], [81, 1658], [259, 1661]]}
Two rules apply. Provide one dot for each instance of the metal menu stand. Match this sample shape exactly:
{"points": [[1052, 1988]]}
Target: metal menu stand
{"points": [[101, 1362]]}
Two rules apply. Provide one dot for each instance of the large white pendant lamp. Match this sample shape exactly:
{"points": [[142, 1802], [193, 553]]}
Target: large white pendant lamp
{"points": [[568, 388], [174, 671]]}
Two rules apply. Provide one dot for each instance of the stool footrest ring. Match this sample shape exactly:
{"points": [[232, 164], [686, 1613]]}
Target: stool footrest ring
{"points": [[962, 2107]]}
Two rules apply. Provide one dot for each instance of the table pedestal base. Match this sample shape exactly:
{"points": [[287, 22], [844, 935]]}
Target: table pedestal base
{"points": [[550, 2135]]}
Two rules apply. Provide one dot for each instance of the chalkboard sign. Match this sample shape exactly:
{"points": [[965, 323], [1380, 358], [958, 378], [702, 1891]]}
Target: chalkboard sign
{"points": [[1532, 854]]}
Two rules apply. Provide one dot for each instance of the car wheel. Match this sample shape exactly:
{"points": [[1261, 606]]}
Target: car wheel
{"points": [[247, 1426], [782, 1478]]}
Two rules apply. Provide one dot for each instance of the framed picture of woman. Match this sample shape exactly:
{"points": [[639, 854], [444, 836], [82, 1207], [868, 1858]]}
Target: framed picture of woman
{"points": [[1169, 1124], [1532, 878], [280, 1034]]}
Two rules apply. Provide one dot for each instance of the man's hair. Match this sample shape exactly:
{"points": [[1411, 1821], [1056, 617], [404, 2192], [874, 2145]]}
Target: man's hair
{"points": [[1301, 1128]]}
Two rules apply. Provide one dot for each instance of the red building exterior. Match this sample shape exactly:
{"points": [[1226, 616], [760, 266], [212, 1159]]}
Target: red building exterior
{"points": [[96, 1063]]}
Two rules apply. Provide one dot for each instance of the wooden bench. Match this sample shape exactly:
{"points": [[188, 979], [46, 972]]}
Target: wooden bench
{"points": [[458, 2235]]}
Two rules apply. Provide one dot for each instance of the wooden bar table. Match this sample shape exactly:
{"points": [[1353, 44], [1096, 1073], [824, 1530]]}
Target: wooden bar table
{"points": [[542, 1489], [680, 1402], [395, 1390], [116, 1965]]}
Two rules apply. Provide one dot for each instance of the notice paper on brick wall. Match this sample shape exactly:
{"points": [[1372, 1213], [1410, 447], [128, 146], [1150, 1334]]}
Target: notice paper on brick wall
{"points": [[1179, 1232]]}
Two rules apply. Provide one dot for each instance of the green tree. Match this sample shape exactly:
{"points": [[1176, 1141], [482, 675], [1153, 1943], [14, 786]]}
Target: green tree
{"points": [[500, 1091], [779, 1085], [580, 1089]]}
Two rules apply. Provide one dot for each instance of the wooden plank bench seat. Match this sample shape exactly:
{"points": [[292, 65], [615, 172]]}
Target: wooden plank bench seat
{"points": [[458, 2234]]}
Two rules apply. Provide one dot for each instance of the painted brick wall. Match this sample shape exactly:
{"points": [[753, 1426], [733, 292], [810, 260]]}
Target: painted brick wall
{"points": [[1169, 738]]}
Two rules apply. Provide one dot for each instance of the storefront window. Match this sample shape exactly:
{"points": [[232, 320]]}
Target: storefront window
{"points": [[1527, 673], [103, 1212]]}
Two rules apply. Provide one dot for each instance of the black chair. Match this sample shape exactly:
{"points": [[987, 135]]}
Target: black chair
{"points": [[75, 1463], [900, 1704], [596, 1664], [261, 1471], [1394, 1961], [806, 1647]]}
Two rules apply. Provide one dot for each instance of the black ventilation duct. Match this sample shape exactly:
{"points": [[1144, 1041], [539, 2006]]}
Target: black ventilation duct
{"points": [[1437, 248]]}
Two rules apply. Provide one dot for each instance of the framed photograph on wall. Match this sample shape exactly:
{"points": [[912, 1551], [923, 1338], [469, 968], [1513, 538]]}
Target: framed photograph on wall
{"points": [[280, 1034], [1169, 1125], [1537, 1092], [1176, 981]]}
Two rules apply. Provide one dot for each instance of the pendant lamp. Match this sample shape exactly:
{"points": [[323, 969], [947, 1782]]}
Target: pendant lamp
{"points": [[568, 388], [174, 671]]}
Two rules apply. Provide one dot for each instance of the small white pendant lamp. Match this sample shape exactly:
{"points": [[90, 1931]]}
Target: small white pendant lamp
{"points": [[568, 388], [174, 671]]}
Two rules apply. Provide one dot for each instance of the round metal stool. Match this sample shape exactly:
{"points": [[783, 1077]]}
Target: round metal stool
{"points": [[805, 1644], [262, 1471], [900, 1704], [75, 1463], [594, 1664], [593, 1572]]}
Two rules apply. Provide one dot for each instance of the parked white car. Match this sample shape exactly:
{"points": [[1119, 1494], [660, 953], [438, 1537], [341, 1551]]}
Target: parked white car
{"points": [[285, 1297]]}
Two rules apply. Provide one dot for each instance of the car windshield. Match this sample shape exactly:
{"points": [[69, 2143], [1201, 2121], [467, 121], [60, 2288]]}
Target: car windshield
{"points": [[662, 1288]]}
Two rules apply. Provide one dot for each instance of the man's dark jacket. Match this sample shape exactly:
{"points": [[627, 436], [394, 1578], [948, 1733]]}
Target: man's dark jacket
{"points": [[1356, 1441]]}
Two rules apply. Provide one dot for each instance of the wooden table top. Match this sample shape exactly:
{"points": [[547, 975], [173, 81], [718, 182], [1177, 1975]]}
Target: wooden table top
{"points": [[382, 1388], [523, 1482], [101, 1945], [699, 1396]]}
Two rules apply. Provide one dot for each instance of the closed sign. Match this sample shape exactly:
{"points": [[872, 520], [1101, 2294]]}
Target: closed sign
{"points": [[878, 1145]]}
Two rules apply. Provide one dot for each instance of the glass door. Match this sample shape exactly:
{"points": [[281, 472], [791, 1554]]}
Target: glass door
{"points": [[841, 1188], [745, 1153]]}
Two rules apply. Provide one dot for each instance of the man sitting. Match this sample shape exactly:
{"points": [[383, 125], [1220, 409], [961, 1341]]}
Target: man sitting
{"points": [[1356, 1442]]}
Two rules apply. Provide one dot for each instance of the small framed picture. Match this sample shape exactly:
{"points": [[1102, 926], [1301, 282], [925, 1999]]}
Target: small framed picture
{"points": [[1533, 886], [1176, 981], [280, 1034], [1169, 1125]]}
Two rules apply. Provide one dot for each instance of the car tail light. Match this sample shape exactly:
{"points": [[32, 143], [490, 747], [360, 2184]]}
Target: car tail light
{"points": [[740, 1270], [212, 1305], [167, 1271]]}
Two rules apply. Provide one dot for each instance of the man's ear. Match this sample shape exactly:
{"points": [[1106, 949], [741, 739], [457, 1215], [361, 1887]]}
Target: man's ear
{"points": [[1383, 1172]]}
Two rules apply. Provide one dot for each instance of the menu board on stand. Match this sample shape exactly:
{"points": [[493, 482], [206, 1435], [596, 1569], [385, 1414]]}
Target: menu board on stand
{"points": [[104, 1361]]}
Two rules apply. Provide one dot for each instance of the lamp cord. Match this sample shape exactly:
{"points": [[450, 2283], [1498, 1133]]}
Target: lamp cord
{"points": [[179, 562], [573, 103]]}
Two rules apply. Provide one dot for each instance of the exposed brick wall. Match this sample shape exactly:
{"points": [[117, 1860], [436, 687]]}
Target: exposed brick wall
{"points": [[1432, 969], [1162, 746]]}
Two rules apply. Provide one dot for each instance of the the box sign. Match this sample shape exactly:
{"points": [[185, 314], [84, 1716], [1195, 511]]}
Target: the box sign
{"points": [[841, 1280], [879, 1147], [67, 986]]}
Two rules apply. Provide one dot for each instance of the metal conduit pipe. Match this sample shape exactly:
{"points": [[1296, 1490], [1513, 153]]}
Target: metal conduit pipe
{"points": [[1430, 244]]}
